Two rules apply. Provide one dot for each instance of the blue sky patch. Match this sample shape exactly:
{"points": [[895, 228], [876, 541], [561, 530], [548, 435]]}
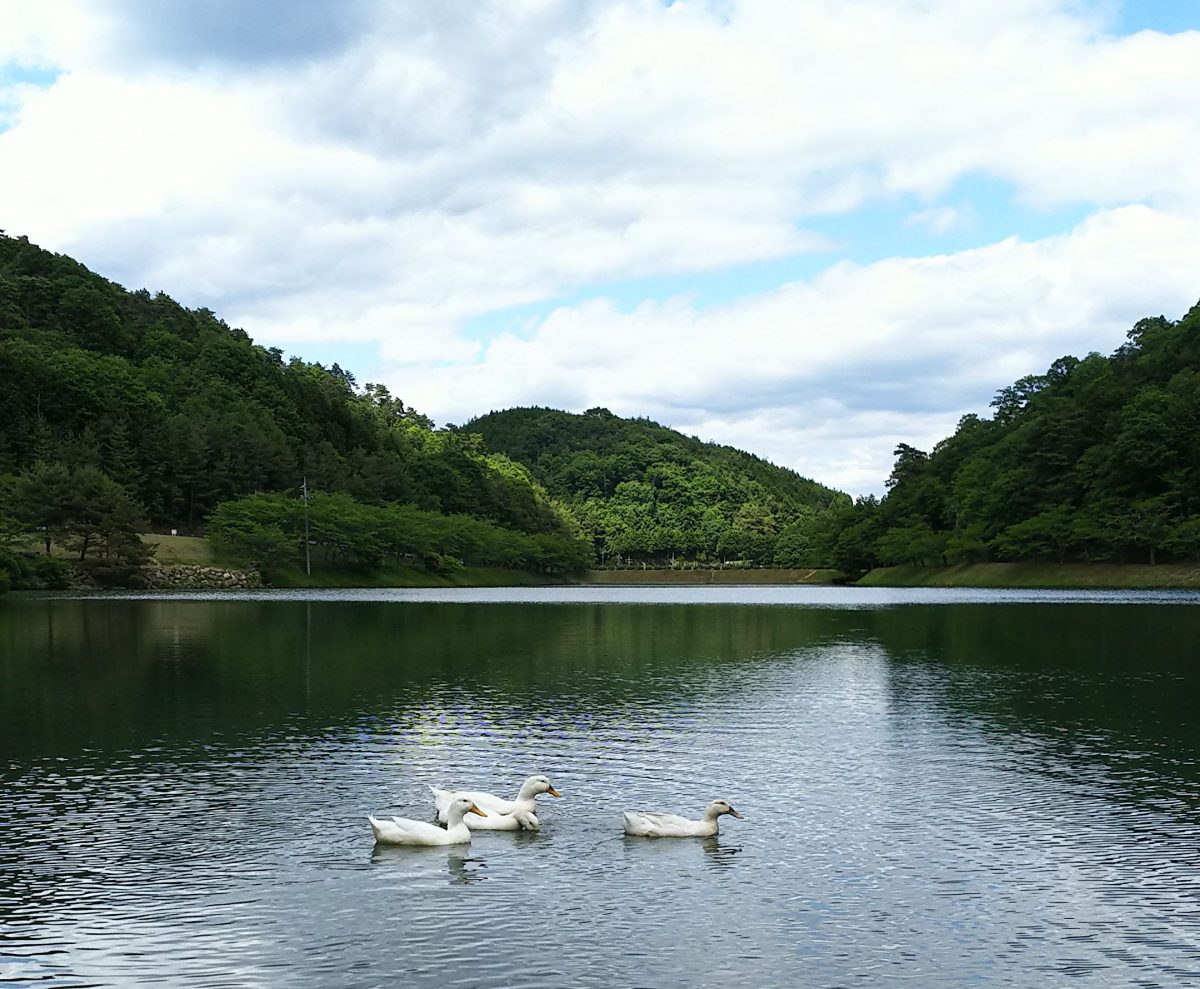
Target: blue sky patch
{"points": [[975, 211], [13, 75], [16, 75], [1167, 16], [359, 358]]}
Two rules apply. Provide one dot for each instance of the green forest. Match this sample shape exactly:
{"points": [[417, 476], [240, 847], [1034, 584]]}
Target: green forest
{"points": [[647, 494], [1096, 460], [123, 413]]}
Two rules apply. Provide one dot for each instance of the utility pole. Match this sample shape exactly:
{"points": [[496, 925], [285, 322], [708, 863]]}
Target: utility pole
{"points": [[307, 561]]}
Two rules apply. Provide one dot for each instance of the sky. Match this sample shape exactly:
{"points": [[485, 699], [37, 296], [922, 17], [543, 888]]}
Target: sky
{"points": [[811, 229]]}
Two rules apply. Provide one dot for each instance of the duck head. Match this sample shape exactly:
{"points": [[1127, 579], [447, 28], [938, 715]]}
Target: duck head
{"points": [[460, 807], [719, 807], [536, 785]]}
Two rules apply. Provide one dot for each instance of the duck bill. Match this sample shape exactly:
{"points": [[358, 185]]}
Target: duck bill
{"points": [[736, 814], [475, 809], [553, 792]]}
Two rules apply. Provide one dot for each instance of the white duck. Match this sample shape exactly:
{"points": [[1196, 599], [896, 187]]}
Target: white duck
{"points": [[403, 831], [503, 815], [646, 825], [520, 821]]}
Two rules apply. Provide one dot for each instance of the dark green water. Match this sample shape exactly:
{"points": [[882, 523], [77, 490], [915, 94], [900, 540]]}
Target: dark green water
{"points": [[940, 789]]}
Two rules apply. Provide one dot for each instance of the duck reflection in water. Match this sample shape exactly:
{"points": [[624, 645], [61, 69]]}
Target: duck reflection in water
{"points": [[462, 865], [717, 855], [465, 867]]}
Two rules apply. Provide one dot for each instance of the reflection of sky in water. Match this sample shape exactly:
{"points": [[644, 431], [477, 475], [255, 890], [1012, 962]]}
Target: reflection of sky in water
{"points": [[912, 814]]}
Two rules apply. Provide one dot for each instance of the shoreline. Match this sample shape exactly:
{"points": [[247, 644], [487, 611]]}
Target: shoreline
{"points": [[1035, 576], [1029, 576], [1013, 576], [191, 569], [656, 577]]}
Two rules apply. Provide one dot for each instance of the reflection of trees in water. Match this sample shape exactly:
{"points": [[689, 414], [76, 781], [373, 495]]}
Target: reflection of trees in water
{"points": [[105, 672], [1114, 684], [110, 671]]}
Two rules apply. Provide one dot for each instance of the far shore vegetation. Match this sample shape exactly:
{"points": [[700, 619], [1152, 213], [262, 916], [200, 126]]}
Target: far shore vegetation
{"points": [[125, 417], [1038, 575]]}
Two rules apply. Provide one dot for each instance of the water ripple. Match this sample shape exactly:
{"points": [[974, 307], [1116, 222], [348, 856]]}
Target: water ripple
{"points": [[892, 836]]}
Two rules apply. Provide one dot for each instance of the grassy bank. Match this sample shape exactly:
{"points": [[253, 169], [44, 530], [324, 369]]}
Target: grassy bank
{"points": [[180, 549], [757, 576], [1034, 575]]}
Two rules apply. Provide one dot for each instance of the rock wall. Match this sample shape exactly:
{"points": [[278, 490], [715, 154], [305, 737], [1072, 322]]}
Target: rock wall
{"points": [[184, 576]]}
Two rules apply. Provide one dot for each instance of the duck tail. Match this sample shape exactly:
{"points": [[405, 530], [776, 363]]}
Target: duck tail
{"points": [[441, 800]]}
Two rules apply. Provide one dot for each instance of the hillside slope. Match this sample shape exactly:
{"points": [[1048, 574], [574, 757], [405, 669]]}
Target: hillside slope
{"points": [[121, 410], [644, 492], [186, 412], [1097, 459]]}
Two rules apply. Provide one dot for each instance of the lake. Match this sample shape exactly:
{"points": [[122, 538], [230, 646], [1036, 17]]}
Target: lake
{"points": [[940, 788]]}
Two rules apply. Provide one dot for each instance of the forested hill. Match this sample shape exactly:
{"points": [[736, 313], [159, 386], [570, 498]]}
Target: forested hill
{"points": [[646, 492], [103, 386], [1098, 459]]}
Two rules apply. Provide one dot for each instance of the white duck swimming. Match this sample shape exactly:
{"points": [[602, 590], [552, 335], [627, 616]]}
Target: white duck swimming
{"points": [[503, 815], [647, 825], [403, 831], [520, 821]]}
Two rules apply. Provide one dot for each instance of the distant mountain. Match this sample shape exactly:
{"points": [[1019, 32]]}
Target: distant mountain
{"points": [[644, 492]]}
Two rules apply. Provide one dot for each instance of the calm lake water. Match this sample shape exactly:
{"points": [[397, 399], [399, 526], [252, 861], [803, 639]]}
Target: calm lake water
{"points": [[941, 789]]}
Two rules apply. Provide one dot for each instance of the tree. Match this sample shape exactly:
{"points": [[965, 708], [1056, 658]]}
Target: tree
{"points": [[1014, 399], [914, 543], [1148, 522], [1183, 539], [85, 311], [83, 509], [43, 498], [797, 543], [104, 518], [1047, 534]]}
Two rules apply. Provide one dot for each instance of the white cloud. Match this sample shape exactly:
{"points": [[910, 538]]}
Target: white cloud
{"points": [[799, 374], [939, 219], [387, 171], [49, 34]]}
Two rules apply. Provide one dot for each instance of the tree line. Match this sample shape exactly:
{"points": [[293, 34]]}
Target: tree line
{"points": [[103, 390], [643, 493], [1097, 459], [270, 531], [124, 411]]}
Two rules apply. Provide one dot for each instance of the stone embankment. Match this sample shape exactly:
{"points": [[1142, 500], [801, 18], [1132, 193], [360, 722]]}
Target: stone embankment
{"points": [[187, 576]]}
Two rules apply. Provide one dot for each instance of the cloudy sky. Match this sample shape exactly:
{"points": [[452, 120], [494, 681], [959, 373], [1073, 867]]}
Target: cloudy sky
{"points": [[809, 228]]}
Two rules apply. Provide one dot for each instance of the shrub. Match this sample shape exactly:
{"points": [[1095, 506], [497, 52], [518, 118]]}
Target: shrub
{"points": [[51, 572], [11, 566]]}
